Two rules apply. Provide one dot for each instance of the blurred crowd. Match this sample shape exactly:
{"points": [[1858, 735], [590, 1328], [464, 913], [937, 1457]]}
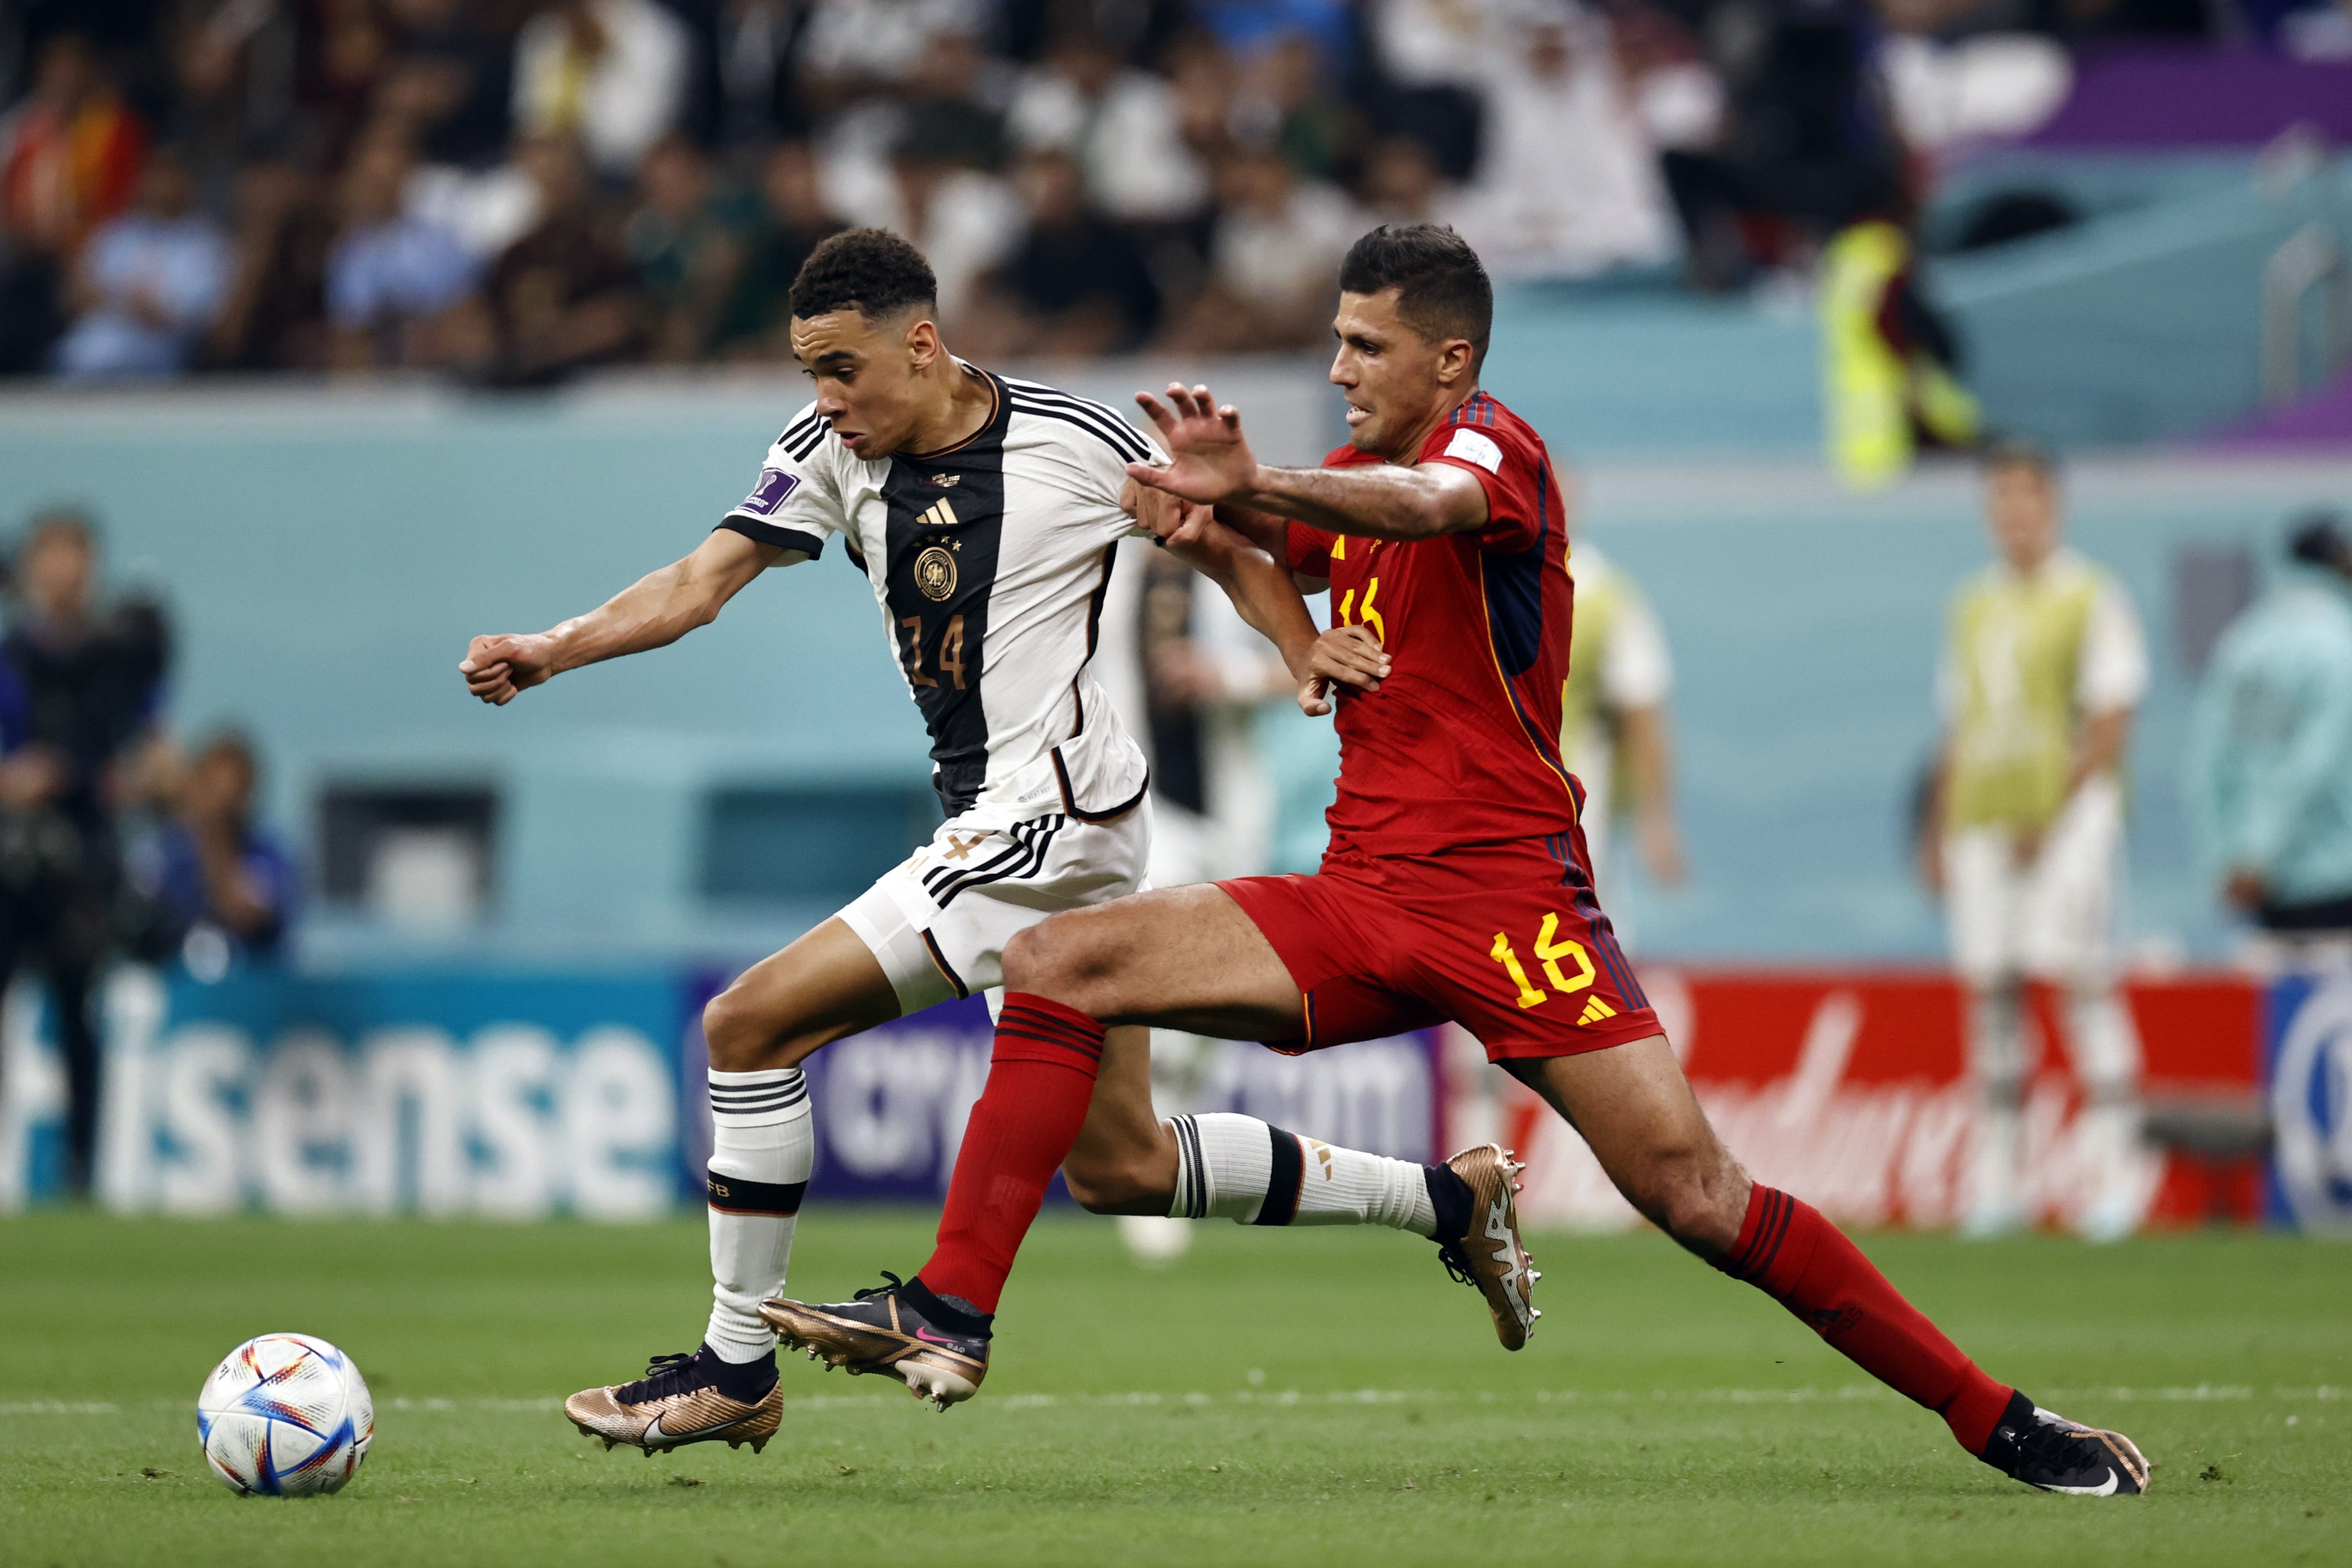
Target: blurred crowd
{"points": [[510, 189]]}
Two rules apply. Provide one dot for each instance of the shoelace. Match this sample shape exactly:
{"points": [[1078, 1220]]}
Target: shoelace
{"points": [[1457, 1263], [2060, 1449], [871, 1292], [663, 1373]]}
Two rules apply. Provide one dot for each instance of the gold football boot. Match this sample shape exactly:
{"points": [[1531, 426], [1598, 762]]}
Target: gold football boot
{"points": [[674, 1403], [1489, 1255], [900, 1329]]}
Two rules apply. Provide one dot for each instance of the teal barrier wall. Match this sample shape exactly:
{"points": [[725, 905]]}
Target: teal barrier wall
{"points": [[326, 559]]}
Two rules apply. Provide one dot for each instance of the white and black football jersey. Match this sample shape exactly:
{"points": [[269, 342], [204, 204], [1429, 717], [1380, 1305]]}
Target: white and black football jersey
{"points": [[989, 562]]}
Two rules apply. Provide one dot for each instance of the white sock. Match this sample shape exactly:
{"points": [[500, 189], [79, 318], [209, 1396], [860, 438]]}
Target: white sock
{"points": [[763, 1146], [1237, 1167]]}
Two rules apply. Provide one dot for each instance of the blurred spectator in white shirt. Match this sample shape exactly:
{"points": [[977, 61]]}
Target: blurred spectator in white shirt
{"points": [[148, 283], [1273, 258], [1567, 184], [609, 72], [963, 220], [856, 46], [1124, 126], [393, 278]]}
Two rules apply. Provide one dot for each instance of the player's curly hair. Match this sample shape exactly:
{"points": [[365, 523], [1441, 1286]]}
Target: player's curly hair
{"points": [[1442, 288], [872, 271]]}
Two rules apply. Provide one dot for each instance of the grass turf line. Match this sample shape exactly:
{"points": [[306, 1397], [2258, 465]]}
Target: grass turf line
{"points": [[1273, 1394]]}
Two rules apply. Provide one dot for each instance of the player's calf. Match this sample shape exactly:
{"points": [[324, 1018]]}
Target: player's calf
{"points": [[935, 1346], [683, 1399]]}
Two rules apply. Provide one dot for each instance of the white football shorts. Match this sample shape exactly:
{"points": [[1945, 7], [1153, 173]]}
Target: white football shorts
{"points": [[2051, 919], [938, 922]]}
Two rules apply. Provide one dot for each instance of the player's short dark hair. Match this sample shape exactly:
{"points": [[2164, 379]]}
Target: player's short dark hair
{"points": [[2018, 452], [1442, 287], [871, 271]]}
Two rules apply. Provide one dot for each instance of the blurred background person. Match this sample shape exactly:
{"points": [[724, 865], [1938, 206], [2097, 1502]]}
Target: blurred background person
{"points": [[148, 283], [612, 73], [70, 154], [1077, 284], [792, 221], [1804, 148], [80, 687], [563, 296], [1615, 732], [2043, 668], [223, 888], [2269, 766], [1273, 257], [1568, 182], [685, 240], [397, 284], [274, 314]]}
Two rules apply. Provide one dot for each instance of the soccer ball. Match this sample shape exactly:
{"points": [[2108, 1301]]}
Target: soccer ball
{"points": [[284, 1414]]}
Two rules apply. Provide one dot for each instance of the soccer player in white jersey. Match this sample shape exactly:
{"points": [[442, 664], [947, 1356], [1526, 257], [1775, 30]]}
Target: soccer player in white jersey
{"points": [[984, 512], [2041, 671]]}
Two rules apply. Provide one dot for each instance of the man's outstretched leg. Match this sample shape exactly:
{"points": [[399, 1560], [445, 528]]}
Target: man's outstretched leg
{"points": [[1065, 981], [1633, 1107], [1221, 1165], [762, 1144]]}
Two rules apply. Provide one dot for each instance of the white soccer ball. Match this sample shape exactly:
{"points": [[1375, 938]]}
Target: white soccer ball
{"points": [[284, 1414]]}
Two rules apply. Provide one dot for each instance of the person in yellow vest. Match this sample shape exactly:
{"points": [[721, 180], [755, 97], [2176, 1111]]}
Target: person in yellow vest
{"points": [[1613, 731], [2043, 667]]}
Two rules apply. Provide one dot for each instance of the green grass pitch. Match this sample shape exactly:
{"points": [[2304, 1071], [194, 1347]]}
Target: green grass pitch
{"points": [[1319, 1396]]}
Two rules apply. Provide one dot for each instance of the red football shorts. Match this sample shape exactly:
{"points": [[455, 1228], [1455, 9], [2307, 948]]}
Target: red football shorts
{"points": [[1506, 940]]}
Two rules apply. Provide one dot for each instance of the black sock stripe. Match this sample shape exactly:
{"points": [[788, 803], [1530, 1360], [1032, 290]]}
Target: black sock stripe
{"points": [[1189, 1194], [1778, 1210], [740, 1195], [1037, 1019], [1090, 1054], [1284, 1180]]}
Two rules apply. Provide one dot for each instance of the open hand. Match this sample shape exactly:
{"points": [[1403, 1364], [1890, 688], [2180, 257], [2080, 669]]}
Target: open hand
{"points": [[1213, 461], [498, 668], [1345, 655]]}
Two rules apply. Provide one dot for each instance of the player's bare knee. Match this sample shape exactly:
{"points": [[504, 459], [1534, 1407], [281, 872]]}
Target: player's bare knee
{"points": [[738, 1038], [1696, 1196], [1055, 958], [1103, 1184]]}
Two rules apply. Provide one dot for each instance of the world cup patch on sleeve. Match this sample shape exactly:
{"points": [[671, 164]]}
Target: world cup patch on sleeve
{"points": [[769, 492], [1472, 447]]}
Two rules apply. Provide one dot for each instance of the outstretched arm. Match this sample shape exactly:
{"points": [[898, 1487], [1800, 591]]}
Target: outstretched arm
{"points": [[652, 613], [1258, 582], [1214, 465]]}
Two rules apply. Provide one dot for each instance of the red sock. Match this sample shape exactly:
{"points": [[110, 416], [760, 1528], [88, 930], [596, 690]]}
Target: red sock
{"points": [[1790, 1253], [1040, 1079]]}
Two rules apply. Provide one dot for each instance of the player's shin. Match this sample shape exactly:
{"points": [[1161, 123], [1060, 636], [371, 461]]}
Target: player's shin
{"points": [[762, 1144], [1799, 1259], [1041, 1079], [1237, 1167]]}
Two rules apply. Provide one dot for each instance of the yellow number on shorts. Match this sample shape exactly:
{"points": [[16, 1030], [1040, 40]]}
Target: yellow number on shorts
{"points": [[1529, 996], [1550, 952]]}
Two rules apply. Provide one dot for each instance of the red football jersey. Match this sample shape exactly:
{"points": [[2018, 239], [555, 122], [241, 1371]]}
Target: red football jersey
{"points": [[1461, 744]]}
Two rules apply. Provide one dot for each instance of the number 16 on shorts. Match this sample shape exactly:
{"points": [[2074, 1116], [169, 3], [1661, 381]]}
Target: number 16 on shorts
{"points": [[1550, 950]]}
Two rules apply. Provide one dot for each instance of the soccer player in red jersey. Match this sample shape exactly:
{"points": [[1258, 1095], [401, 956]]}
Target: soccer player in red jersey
{"points": [[1456, 884]]}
